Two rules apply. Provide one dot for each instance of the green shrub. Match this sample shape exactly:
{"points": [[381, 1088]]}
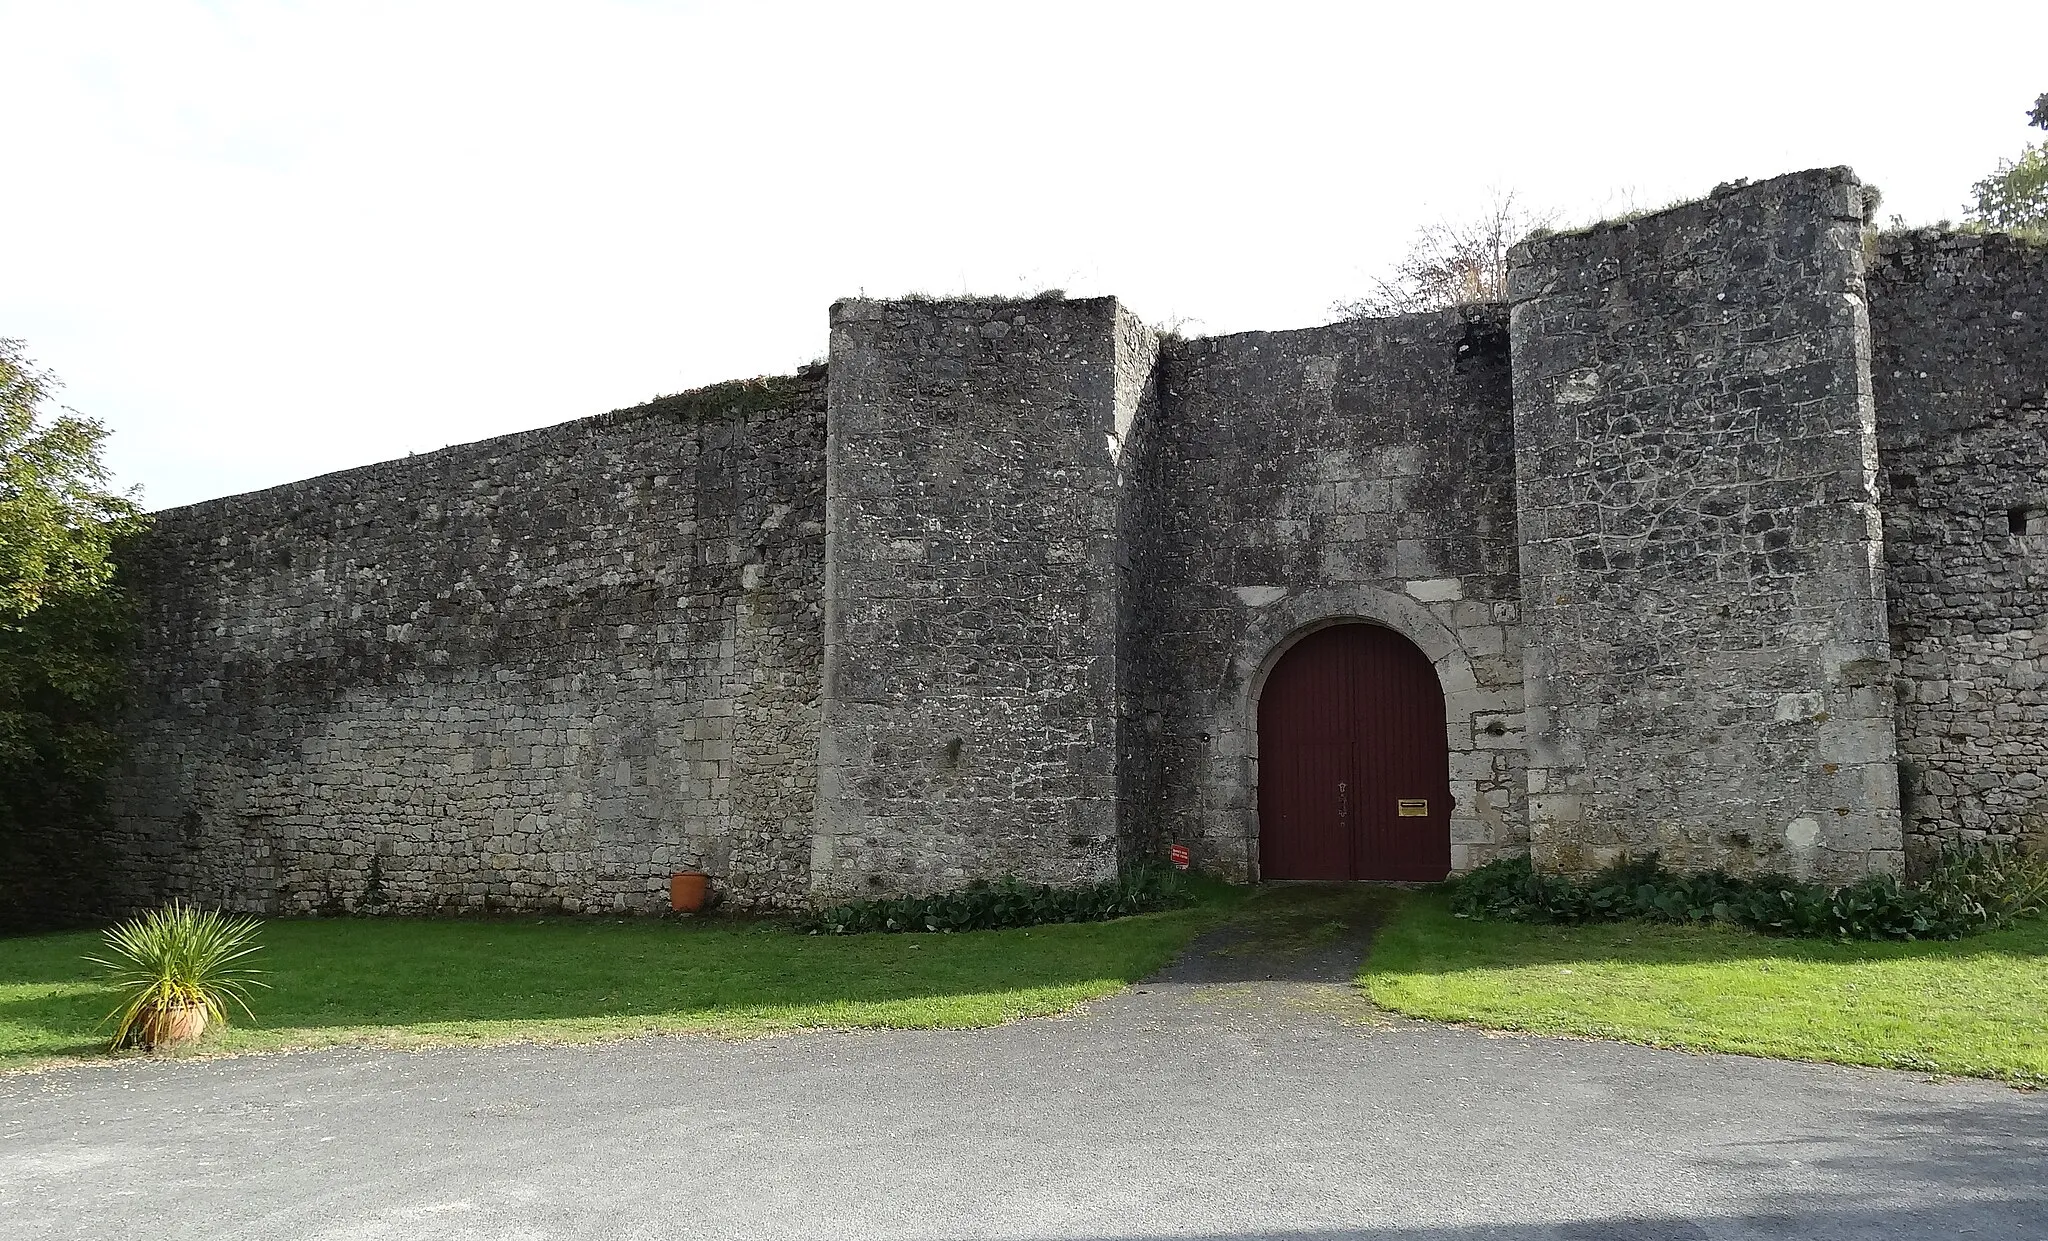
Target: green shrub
{"points": [[178, 957], [2005, 883], [1007, 902], [1968, 891]]}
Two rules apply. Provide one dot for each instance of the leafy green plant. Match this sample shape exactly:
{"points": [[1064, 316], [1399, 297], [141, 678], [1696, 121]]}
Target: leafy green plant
{"points": [[175, 957], [1008, 902], [2003, 882], [1967, 892]]}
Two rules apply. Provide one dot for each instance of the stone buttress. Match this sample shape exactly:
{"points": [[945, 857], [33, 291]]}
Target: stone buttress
{"points": [[972, 592], [1707, 661]]}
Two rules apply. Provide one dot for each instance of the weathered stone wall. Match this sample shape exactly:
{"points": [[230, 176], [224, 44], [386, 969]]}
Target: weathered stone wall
{"points": [[1961, 377], [1704, 606], [971, 607], [1007, 607], [1361, 471], [538, 672]]}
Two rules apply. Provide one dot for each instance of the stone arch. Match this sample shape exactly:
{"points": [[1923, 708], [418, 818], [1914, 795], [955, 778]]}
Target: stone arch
{"points": [[1274, 629]]}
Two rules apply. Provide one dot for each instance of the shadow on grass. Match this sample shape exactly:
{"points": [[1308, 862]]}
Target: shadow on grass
{"points": [[346, 973], [1970, 1007], [1426, 937]]}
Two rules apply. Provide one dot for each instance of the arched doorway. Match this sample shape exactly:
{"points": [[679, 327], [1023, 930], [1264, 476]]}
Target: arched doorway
{"points": [[1354, 769]]}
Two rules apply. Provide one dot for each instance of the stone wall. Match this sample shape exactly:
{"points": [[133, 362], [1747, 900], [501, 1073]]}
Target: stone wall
{"points": [[538, 672], [1961, 376], [1006, 607], [1361, 471], [1708, 666], [971, 608]]}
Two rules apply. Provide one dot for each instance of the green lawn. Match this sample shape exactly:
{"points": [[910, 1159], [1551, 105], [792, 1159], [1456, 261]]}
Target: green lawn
{"points": [[1975, 1007], [416, 982]]}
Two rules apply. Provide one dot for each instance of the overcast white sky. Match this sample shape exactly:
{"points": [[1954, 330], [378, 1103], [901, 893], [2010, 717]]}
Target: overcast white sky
{"points": [[266, 241]]}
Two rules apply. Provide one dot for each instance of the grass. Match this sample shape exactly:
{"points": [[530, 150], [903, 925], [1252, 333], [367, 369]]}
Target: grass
{"points": [[1975, 1007], [411, 983]]}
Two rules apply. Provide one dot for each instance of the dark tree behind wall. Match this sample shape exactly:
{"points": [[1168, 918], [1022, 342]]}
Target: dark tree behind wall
{"points": [[65, 627]]}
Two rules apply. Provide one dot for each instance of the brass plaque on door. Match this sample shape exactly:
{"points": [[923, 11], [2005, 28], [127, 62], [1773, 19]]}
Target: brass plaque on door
{"points": [[1412, 808]]}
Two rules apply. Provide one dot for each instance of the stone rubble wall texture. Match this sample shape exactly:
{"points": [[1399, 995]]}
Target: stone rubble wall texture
{"points": [[998, 596], [1960, 368], [970, 681], [539, 672], [1708, 669], [1362, 471]]}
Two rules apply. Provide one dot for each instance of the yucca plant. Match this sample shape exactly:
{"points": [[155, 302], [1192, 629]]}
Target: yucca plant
{"points": [[173, 962]]}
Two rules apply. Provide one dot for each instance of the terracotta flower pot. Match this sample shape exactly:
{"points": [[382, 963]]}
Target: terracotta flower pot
{"points": [[686, 890], [161, 1029]]}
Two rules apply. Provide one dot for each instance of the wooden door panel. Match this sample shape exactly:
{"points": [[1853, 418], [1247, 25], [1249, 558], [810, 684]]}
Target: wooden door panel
{"points": [[1313, 761], [1314, 835], [1406, 759], [1351, 725]]}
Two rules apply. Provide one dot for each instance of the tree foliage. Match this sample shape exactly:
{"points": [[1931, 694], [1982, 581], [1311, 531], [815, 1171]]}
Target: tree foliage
{"points": [[65, 628], [2015, 196], [1452, 262], [58, 520]]}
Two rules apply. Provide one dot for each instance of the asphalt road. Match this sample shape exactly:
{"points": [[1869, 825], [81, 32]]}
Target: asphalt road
{"points": [[1215, 1103]]}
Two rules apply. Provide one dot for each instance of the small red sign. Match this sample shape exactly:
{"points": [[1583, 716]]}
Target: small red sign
{"points": [[1179, 854]]}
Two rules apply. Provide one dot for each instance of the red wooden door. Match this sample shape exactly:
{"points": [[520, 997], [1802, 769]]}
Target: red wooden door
{"points": [[1354, 771]]}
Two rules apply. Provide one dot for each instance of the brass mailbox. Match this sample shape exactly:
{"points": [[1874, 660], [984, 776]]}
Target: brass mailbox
{"points": [[1412, 808]]}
